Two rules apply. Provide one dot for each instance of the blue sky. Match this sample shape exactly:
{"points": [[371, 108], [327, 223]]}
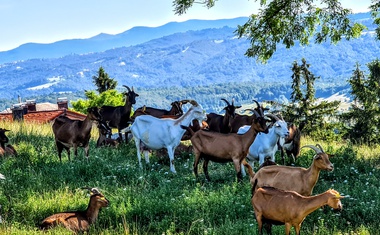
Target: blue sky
{"points": [[46, 21]]}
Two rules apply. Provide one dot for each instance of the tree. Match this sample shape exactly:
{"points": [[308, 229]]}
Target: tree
{"points": [[110, 97], [288, 21], [103, 81], [363, 118], [309, 114]]}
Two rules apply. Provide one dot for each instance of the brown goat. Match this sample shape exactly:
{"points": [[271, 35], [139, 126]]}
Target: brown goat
{"points": [[74, 133], [175, 110], [297, 179], [120, 116], [8, 149], [103, 140], [288, 207], [291, 144], [231, 147], [221, 123], [78, 221]]}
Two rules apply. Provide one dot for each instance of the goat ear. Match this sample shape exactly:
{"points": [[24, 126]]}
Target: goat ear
{"points": [[238, 107], [330, 155]]}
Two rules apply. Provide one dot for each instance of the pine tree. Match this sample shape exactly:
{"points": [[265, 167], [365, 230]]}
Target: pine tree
{"points": [[103, 81], [363, 118]]}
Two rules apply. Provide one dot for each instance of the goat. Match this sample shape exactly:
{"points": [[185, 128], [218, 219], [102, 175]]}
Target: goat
{"points": [[119, 116], [103, 140], [155, 133], [265, 145], [297, 179], [6, 149], [74, 133], [231, 147], [276, 206], [221, 123], [78, 221], [242, 120], [291, 144], [176, 110]]}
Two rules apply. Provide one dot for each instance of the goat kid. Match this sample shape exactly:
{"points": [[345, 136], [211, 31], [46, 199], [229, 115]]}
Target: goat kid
{"points": [[276, 206], [231, 147], [176, 110], [297, 179], [78, 221], [104, 132], [74, 133], [154, 133]]}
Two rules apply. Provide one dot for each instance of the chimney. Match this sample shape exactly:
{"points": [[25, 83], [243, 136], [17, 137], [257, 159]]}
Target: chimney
{"points": [[18, 112], [62, 103], [31, 105]]}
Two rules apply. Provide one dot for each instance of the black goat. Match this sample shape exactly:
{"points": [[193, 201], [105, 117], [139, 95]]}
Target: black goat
{"points": [[78, 221], [119, 116], [220, 123], [104, 132], [6, 149], [74, 133]]}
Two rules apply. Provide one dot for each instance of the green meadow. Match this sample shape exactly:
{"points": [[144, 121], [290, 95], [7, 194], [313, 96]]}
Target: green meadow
{"points": [[152, 200]]}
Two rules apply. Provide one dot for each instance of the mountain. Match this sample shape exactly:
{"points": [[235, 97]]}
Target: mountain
{"points": [[104, 41], [206, 64]]}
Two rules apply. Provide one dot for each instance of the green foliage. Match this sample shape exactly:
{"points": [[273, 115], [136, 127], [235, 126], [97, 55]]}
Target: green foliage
{"points": [[288, 22], [103, 82], [362, 120], [152, 200], [311, 117], [109, 97]]}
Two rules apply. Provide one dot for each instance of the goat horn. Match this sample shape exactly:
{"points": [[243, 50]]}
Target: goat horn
{"points": [[314, 148], [228, 103], [319, 146], [129, 90], [272, 116], [184, 101], [258, 106], [193, 102]]}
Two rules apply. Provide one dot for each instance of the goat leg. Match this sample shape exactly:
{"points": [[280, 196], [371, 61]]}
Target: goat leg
{"points": [[205, 169]]}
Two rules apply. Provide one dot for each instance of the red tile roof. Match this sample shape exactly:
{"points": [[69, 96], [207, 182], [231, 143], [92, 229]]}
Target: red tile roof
{"points": [[43, 116]]}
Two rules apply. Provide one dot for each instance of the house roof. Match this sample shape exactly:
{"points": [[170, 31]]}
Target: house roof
{"points": [[46, 112]]}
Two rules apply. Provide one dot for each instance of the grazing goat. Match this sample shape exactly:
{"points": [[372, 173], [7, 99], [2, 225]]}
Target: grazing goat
{"points": [[6, 149], [119, 116], [221, 123], [265, 145], [231, 147], [103, 139], [297, 179], [176, 110], [74, 133], [291, 144], [276, 206], [78, 221], [155, 133]]}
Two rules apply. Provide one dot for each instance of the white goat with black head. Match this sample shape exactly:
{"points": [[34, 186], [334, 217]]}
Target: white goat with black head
{"points": [[265, 145], [154, 133]]}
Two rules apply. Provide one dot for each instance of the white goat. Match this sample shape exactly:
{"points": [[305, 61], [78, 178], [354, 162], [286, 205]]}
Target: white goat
{"points": [[265, 145], [155, 133]]}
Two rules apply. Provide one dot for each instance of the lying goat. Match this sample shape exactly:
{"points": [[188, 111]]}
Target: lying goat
{"points": [[6, 149], [155, 133], [78, 221], [297, 179], [74, 133], [265, 145], [231, 147], [288, 207], [176, 110]]}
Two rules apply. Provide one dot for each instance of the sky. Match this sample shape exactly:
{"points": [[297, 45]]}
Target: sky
{"points": [[47, 21]]}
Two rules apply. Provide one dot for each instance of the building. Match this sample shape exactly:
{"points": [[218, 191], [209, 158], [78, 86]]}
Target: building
{"points": [[31, 111]]}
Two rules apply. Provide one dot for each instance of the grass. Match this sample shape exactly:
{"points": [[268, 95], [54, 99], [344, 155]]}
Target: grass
{"points": [[152, 200]]}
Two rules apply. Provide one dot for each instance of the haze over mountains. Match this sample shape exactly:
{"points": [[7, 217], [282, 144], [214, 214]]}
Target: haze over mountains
{"points": [[180, 55]]}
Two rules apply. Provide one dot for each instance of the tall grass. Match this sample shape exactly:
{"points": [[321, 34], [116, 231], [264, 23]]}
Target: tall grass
{"points": [[152, 200]]}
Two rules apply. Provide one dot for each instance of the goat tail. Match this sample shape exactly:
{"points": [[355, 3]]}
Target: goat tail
{"points": [[253, 188]]}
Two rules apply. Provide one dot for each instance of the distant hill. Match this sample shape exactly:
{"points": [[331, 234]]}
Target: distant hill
{"points": [[206, 64], [102, 42]]}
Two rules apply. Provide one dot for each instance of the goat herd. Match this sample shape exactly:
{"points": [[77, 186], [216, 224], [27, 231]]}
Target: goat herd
{"points": [[231, 137]]}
